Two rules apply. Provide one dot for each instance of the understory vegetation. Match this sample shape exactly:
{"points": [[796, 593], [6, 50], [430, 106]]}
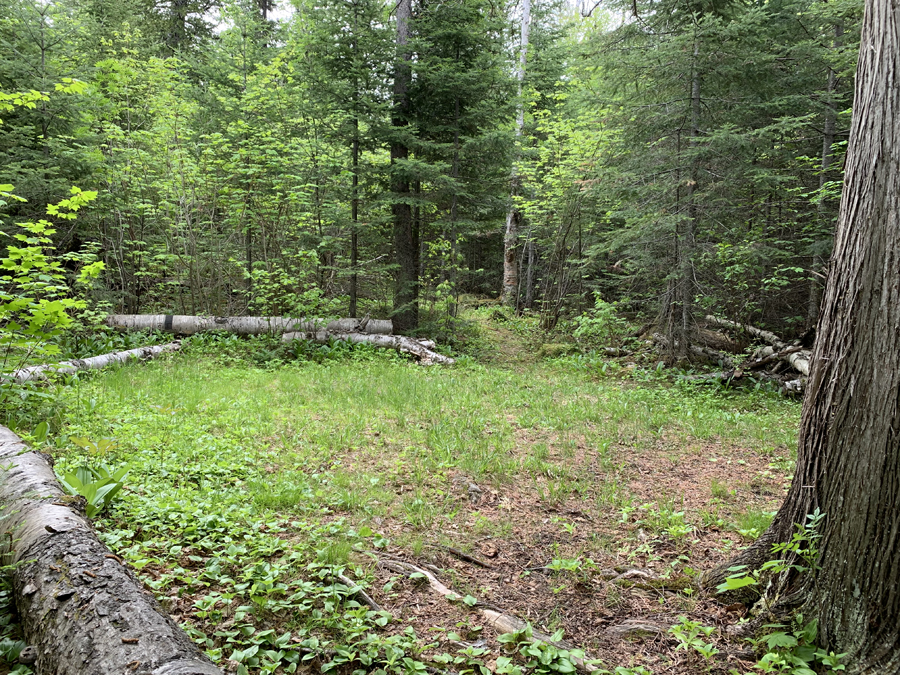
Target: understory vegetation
{"points": [[264, 490], [616, 219]]}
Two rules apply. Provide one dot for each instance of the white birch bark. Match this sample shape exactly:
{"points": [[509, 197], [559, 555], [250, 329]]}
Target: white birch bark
{"points": [[92, 363], [421, 349], [244, 325], [78, 604], [513, 216], [798, 360]]}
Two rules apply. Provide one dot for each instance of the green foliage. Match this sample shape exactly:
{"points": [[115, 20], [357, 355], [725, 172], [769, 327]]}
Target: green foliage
{"points": [[250, 487], [791, 650], [99, 486], [536, 656], [803, 546], [600, 327], [38, 296], [690, 636]]}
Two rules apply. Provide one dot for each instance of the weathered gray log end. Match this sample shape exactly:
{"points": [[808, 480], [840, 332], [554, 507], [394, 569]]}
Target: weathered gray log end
{"points": [[81, 608]]}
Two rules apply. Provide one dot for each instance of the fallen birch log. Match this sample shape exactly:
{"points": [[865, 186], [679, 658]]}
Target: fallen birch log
{"points": [[79, 605], [704, 353], [788, 387], [245, 325], [499, 621], [799, 360], [421, 349], [92, 363]]}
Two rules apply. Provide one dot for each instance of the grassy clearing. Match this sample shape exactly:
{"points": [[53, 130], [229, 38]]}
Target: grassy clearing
{"points": [[252, 488]]}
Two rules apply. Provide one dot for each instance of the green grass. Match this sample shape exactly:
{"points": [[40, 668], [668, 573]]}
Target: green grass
{"points": [[251, 485]]}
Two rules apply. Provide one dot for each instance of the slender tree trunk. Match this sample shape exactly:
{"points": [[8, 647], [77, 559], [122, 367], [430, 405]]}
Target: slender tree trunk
{"points": [[354, 217], [513, 216], [529, 276], [822, 210], [677, 309], [454, 205], [848, 463], [354, 205], [406, 291], [689, 234]]}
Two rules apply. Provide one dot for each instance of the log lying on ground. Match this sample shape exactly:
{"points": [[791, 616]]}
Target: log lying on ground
{"points": [[82, 609], [788, 387], [704, 353], [799, 359], [423, 350], [245, 325], [94, 362]]}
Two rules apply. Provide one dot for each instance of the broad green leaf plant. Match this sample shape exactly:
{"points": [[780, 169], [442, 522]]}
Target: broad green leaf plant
{"points": [[98, 486]]}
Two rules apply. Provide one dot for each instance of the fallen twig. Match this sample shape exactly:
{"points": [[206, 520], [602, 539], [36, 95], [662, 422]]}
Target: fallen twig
{"points": [[464, 556], [500, 621], [357, 590]]}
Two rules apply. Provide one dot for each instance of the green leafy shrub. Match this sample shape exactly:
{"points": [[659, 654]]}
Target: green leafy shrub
{"points": [[600, 326]]}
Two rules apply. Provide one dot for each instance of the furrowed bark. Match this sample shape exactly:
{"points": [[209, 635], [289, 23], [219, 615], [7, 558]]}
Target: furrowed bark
{"points": [[848, 459], [92, 363], [83, 610], [421, 349], [245, 325]]}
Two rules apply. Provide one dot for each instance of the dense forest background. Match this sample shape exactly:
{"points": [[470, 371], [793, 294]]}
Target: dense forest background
{"points": [[664, 159]]}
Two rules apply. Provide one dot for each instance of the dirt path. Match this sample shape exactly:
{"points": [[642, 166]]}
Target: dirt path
{"points": [[508, 348]]}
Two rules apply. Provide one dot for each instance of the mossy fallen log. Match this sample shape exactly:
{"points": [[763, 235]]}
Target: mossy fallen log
{"points": [[79, 606]]}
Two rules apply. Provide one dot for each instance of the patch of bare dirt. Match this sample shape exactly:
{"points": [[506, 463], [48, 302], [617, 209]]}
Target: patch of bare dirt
{"points": [[518, 534]]}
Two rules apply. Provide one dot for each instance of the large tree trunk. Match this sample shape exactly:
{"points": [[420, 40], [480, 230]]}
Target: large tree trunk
{"points": [[510, 294], [848, 464], [92, 363], [406, 235], [83, 610], [244, 325]]}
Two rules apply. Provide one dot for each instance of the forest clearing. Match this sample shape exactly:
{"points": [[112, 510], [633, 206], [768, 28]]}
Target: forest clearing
{"points": [[588, 503], [475, 337]]}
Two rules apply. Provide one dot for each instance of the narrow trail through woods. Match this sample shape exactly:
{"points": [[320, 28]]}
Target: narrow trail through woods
{"points": [[508, 349]]}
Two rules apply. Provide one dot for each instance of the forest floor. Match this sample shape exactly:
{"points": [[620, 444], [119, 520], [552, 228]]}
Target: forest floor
{"points": [[253, 487]]}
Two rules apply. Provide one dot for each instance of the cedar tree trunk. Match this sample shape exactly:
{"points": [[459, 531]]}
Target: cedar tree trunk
{"points": [[848, 464]]}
